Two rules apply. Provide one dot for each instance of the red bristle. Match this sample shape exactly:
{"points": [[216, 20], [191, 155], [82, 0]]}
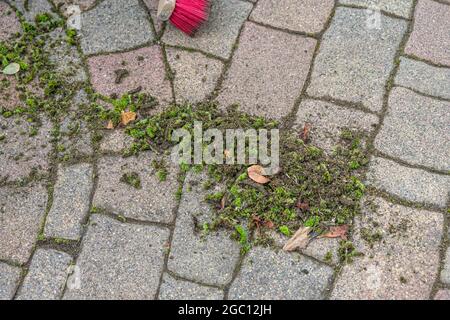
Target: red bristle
{"points": [[189, 15]]}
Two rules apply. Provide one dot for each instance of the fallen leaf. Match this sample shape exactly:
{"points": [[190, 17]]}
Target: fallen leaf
{"points": [[110, 125], [227, 153], [300, 240], [269, 224], [302, 205], [256, 173], [11, 69], [337, 232], [127, 117], [223, 202], [305, 134]]}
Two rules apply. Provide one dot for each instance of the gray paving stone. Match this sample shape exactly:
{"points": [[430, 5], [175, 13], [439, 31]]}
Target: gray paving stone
{"points": [[430, 39], [64, 5], [219, 34], [442, 295], [153, 8], [22, 212], [403, 265], [445, 274], [30, 9], [407, 183], [210, 259], [71, 199], [327, 121], [75, 137], [268, 71], [115, 141], [277, 275], [195, 75], [424, 78], [415, 130], [119, 261], [354, 61], [46, 276], [298, 15], [9, 279], [400, 8], [174, 289], [9, 23], [154, 201], [115, 25], [22, 152]]}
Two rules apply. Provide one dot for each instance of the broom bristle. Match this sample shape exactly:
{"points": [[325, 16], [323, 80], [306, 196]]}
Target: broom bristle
{"points": [[189, 15]]}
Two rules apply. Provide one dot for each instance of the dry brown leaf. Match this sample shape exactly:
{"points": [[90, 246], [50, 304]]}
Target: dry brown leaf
{"points": [[256, 173], [223, 203], [305, 134], [269, 224], [302, 205], [300, 240], [337, 232], [110, 125], [127, 117]]}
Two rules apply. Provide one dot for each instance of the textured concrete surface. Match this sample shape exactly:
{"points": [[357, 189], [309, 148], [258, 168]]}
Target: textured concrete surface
{"points": [[402, 265], [401, 8], [20, 223], [115, 141], [120, 261], [271, 275], [30, 9], [9, 279], [174, 289], [297, 15], [268, 72], [219, 34], [409, 183], [445, 273], [430, 39], [195, 75], [424, 78], [9, 23], [328, 120], [210, 259], [145, 68], [46, 276], [421, 125], [71, 200], [154, 201], [354, 61], [115, 25], [442, 295]]}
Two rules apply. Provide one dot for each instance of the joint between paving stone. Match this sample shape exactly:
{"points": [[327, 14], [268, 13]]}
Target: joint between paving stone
{"points": [[384, 12]]}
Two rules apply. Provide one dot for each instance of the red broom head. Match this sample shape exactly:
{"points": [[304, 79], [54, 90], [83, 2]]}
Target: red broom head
{"points": [[189, 15]]}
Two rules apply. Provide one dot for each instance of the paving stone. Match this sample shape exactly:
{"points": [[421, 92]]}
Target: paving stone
{"points": [[46, 276], [354, 62], [277, 275], [66, 58], [9, 23], [297, 15], [445, 274], [430, 39], [424, 78], [115, 25], [174, 289], [403, 265], [119, 261], [415, 130], [195, 75], [219, 34], [145, 68], [210, 259], [71, 199], [115, 141], [442, 295], [21, 152], [75, 139], [407, 183], [65, 5], [20, 224], [400, 8], [30, 9], [153, 8], [154, 201], [268, 71], [327, 121], [9, 279]]}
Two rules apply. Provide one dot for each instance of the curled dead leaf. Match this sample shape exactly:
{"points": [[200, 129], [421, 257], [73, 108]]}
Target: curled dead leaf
{"points": [[256, 173], [305, 134], [127, 117], [110, 125], [300, 240], [337, 232]]}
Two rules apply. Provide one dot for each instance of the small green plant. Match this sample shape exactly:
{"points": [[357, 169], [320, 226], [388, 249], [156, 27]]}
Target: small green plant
{"points": [[132, 179], [242, 237]]}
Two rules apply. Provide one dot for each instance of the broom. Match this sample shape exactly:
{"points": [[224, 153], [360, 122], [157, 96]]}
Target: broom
{"points": [[186, 15]]}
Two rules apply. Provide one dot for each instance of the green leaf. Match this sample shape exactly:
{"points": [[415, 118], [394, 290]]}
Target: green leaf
{"points": [[11, 69]]}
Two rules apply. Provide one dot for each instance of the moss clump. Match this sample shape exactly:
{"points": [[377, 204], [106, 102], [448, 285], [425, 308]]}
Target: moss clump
{"points": [[132, 179]]}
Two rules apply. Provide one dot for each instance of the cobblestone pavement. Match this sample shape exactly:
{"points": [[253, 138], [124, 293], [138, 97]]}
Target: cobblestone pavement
{"points": [[329, 63]]}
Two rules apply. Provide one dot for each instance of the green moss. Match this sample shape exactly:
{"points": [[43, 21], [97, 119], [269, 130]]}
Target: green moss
{"points": [[132, 179]]}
